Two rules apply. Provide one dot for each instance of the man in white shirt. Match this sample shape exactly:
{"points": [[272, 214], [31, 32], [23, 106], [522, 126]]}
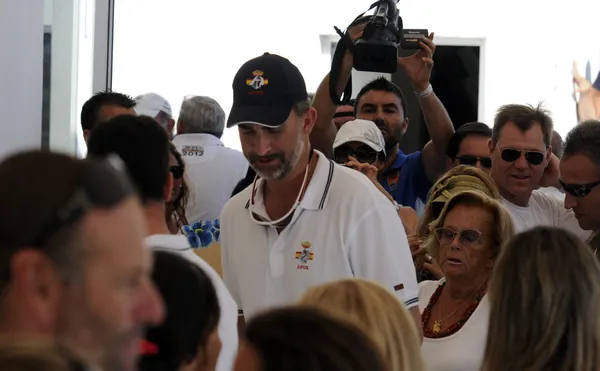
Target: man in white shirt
{"points": [[521, 155], [213, 169], [157, 107], [144, 147], [305, 220], [580, 175]]}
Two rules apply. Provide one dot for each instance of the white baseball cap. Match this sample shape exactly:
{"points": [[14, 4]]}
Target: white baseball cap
{"points": [[363, 131], [151, 104]]}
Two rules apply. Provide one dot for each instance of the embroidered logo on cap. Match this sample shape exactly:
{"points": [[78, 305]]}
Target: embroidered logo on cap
{"points": [[258, 81]]}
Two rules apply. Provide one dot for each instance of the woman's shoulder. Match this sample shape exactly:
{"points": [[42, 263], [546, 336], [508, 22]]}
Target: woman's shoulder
{"points": [[427, 288]]}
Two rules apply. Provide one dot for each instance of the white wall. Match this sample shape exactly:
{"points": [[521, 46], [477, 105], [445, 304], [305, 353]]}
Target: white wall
{"points": [[21, 40], [175, 49]]}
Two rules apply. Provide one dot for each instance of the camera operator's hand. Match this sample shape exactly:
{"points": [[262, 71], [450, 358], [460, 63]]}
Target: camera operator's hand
{"points": [[418, 66], [356, 32]]}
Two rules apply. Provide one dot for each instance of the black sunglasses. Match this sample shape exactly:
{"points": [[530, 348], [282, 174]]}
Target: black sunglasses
{"points": [[362, 155], [177, 171], [578, 190], [512, 155], [467, 236], [469, 160]]}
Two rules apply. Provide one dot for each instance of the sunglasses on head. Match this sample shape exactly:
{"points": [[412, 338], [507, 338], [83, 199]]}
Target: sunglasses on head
{"points": [[512, 155], [469, 160], [578, 190], [177, 171], [363, 155], [467, 236]]}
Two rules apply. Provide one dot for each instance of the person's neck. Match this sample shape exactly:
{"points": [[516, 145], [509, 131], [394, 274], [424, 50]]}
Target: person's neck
{"points": [[522, 201], [391, 157], [155, 218], [288, 188], [463, 288]]}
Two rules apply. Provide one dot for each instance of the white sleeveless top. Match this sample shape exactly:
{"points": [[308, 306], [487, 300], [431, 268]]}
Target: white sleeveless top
{"points": [[463, 350]]}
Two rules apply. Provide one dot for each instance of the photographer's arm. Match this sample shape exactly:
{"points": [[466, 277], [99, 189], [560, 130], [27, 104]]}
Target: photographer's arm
{"points": [[418, 68], [440, 130], [324, 131]]}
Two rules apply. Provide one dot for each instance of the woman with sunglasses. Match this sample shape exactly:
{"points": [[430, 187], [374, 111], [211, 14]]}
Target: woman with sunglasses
{"points": [[360, 145], [465, 240], [175, 210]]}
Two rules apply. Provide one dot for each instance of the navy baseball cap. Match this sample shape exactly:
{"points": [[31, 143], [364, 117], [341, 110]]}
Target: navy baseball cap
{"points": [[265, 90]]}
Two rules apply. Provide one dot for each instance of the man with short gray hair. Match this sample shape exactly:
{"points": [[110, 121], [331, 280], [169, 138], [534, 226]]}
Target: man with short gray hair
{"points": [[213, 169]]}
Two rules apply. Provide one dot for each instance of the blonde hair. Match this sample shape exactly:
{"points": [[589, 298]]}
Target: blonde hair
{"points": [[545, 304], [378, 313], [502, 226], [457, 179]]}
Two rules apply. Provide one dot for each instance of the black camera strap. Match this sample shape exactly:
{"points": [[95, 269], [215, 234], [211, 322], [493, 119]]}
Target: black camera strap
{"points": [[344, 44]]}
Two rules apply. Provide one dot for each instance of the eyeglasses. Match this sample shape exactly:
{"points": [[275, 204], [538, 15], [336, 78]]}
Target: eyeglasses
{"points": [[366, 156], [177, 171], [578, 190], [512, 155], [472, 161], [468, 237]]}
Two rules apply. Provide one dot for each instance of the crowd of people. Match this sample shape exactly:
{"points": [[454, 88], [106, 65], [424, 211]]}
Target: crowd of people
{"points": [[320, 246]]}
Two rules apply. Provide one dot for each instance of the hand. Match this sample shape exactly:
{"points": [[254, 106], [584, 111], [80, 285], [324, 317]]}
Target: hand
{"points": [[583, 85], [434, 269], [356, 32], [419, 65], [414, 241], [369, 170], [551, 172]]}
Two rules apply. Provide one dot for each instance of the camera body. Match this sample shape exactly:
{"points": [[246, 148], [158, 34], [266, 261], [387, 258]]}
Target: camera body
{"points": [[377, 49]]}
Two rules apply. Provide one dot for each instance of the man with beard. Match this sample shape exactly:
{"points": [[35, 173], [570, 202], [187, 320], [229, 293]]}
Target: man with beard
{"points": [[406, 177], [72, 259], [305, 220]]}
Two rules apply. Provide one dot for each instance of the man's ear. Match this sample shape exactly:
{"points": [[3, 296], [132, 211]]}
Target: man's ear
{"points": [[170, 127], [310, 117], [168, 189], [86, 135], [450, 163], [37, 286], [491, 146], [179, 127], [405, 126]]}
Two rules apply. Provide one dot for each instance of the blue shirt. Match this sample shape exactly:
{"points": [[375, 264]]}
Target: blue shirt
{"points": [[597, 82], [406, 179]]}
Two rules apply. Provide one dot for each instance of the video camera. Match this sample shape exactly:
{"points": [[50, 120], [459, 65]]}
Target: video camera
{"points": [[377, 49]]}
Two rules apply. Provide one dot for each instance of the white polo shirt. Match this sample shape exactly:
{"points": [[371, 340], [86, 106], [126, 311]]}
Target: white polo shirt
{"points": [[228, 332], [213, 170], [344, 227]]}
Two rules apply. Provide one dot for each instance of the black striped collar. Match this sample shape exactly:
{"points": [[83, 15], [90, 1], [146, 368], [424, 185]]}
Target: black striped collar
{"points": [[317, 192]]}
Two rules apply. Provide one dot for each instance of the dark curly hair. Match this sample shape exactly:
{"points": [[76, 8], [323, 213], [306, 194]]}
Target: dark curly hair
{"points": [[176, 208]]}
